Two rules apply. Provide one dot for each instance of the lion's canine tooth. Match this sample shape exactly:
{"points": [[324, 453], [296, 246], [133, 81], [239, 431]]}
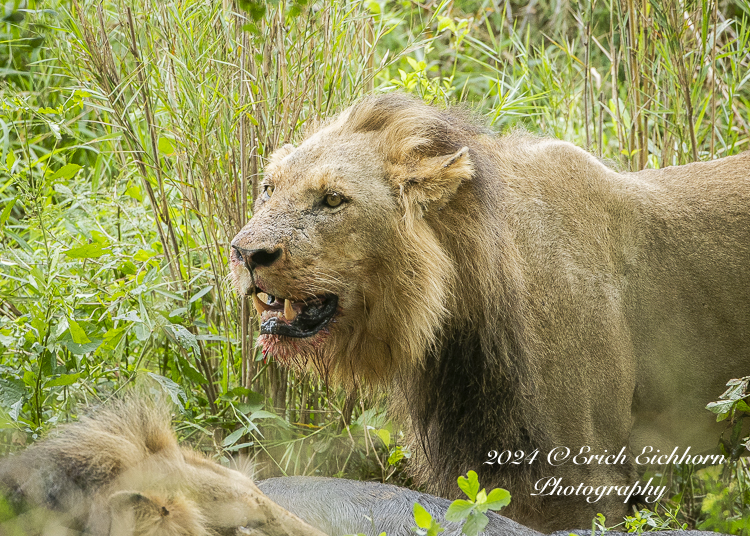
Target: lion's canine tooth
{"points": [[289, 312], [259, 305], [262, 296]]}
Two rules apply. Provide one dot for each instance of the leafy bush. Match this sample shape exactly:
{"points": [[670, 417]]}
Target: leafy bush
{"points": [[470, 513]]}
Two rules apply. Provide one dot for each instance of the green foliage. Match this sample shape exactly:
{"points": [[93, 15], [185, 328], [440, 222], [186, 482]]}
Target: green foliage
{"points": [[726, 504], [470, 513], [641, 521], [131, 144], [473, 510], [649, 521], [426, 526], [733, 407]]}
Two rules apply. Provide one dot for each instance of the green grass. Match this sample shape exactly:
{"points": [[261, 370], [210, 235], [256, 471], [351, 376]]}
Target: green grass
{"points": [[133, 135]]}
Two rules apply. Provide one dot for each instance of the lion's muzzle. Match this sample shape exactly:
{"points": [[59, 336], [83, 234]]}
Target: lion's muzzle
{"points": [[257, 257], [279, 316], [284, 316]]}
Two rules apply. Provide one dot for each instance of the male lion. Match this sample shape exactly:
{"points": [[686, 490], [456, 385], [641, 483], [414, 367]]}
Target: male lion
{"points": [[120, 472], [511, 293]]}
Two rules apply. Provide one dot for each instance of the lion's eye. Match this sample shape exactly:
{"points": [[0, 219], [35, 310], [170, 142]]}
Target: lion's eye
{"points": [[267, 192], [333, 199]]}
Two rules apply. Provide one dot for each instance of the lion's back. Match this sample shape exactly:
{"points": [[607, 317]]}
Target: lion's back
{"points": [[637, 273]]}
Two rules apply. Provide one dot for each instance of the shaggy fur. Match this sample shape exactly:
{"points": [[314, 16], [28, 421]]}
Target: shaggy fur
{"points": [[510, 293], [120, 472]]}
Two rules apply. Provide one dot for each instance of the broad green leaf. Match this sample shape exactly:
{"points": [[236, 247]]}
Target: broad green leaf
{"points": [[134, 191], [396, 456], [385, 436], [128, 268], [89, 251], [238, 446], [475, 524], [11, 391], [65, 172], [422, 517], [189, 370], [80, 349], [142, 331], [47, 363], [443, 23], [262, 414], [172, 389], [64, 379], [130, 316], [7, 340], [142, 255], [177, 313], [6, 421], [459, 510], [236, 392], [721, 408], [202, 292], [167, 146], [6, 212], [15, 410], [29, 378], [497, 498], [435, 529], [232, 438], [100, 238], [470, 485], [254, 402], [76, 332], [736, 389], [184, 337]]}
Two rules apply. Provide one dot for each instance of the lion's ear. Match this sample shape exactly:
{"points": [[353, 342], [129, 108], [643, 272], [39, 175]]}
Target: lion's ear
{"points": [[279, 154], [126, 511], [132, 512], [431, 182]]}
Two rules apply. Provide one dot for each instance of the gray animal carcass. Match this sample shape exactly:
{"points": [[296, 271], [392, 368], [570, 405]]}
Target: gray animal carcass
{"points": [[338, 507]]}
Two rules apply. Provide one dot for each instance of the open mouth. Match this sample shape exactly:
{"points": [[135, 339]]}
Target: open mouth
{"points": [[299, 319]]}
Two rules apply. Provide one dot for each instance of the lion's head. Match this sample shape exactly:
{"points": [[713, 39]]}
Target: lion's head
{"points": [[341, 263], [121, 472]]}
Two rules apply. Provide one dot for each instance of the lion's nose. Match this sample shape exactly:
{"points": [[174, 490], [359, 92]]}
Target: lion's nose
{"points": [[257, 257]]}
